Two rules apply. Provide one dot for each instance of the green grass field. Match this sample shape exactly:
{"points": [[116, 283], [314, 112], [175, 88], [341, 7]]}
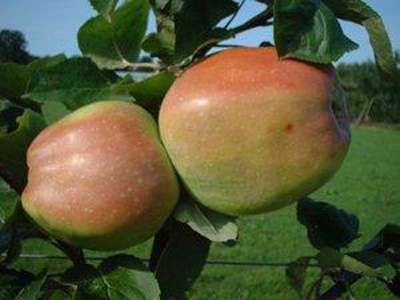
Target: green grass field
{"points": [[368, 185]]}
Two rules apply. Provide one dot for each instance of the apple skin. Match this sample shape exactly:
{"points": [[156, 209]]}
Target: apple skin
{"points": [[249, 133], [100, 178]]}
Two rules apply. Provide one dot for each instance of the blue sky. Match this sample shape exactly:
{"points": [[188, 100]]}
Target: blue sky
{"points": [[50, 26]]}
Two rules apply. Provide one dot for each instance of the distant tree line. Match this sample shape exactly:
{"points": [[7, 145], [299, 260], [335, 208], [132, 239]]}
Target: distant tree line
{"points": [[13, 47], [370, 97]]}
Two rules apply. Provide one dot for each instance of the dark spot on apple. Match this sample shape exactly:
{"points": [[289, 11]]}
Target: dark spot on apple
{"points": [[289, 128]]}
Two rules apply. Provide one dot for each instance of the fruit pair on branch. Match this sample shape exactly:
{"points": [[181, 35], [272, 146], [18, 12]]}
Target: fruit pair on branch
{"points": [[246, 132]]}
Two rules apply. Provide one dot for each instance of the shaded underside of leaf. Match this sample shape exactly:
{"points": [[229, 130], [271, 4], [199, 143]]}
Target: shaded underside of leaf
{"points": [[212, 225], [13, 147], [186, 26], [327, 226], [8, 202], [11, 282], [32, 290], [13, 80], [308, 30], [359, 12], [195, 24], [180, 260]]}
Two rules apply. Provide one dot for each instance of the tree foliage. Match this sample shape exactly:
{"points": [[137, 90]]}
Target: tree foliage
{"points": [[370, 97], [13, 47]]}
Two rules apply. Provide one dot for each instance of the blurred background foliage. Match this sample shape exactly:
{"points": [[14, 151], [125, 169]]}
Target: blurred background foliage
{"points": [[370, 98]]}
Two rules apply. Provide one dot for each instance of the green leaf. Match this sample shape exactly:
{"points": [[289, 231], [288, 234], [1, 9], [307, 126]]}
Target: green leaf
{"points": [[182, 254], [45, 62], [370, 258], [14, 249], [54, 111], [195, 24], [308, 30], [32, 290], [162, 44], [296, 272], [327, 226], [95, 39], [11, 224], [17, 228], [9, 237], [87, 281], [115, 43], [148, 93], [186, 26], [329, 258], [62, 295], [57, 289], [359, 12], [13, 147], [104, 7], [387, 237], [11, 282], [353, 265], [13, 80], [74, 82], [129, 278], [9, 234], [8, 202], [118, 277], [391, 236], [214, 226], [8, 115]]}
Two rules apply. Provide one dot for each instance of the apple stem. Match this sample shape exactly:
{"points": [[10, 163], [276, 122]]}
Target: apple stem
{"points": [[75, 254]]}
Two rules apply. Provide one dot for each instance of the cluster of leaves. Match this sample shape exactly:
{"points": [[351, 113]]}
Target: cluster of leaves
{"points": [[303, 29], [331, 230], [35, 95]]}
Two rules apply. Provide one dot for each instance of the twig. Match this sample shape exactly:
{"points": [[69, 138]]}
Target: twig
{"points": [[73, 253], [227, 46], [259, 20], [146, 260], [234, 15], [262, 19], [145, 65], [142, 66]]}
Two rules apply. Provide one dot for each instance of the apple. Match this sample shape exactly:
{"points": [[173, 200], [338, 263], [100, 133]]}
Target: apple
{"points": [[251, 133], [100, 177]]}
